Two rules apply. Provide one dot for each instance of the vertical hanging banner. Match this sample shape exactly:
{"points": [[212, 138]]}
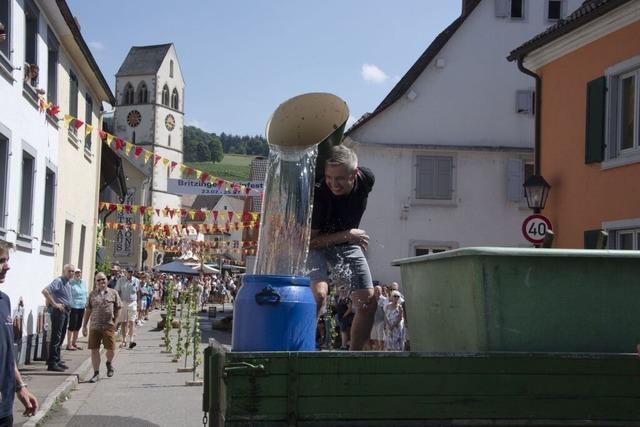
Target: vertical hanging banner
{"points": [[124, 235]]}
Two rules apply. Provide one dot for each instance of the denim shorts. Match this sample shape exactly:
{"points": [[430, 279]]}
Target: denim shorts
{"points": [[320, 261]]}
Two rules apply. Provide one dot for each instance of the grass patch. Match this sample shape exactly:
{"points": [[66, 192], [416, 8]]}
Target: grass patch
{"points": [[234, 167]]}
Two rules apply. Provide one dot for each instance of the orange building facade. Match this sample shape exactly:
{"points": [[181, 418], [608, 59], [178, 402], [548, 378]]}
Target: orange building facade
{"points": [[590, 123]]}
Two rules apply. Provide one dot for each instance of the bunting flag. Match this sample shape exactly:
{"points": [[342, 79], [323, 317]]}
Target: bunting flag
{"points": [[245, 217], [53, 110], [165, 230]]}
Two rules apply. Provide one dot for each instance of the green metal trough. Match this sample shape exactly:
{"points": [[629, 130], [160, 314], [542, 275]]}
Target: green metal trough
{"points": [[506, 337]]}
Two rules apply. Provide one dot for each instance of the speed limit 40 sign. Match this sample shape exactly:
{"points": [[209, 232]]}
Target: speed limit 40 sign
{"points": [[534, 227]]}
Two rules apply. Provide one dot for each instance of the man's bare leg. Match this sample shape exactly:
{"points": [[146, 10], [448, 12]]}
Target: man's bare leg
{"points": [[123, 331], [320, 291], [366, 307], [95, 359]]}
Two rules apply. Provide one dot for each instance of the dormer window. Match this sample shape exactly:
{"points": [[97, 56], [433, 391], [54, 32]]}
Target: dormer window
{"points": [[514, 9], [128, 94], [165, 95], [175, 102], [143, 93], [556, 9]]}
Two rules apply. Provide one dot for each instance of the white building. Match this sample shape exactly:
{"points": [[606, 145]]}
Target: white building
{"points": [[149, 113], [42, 50], [452, 142]]}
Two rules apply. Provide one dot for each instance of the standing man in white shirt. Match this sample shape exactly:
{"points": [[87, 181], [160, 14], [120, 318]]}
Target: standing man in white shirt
{"points": [[128, 287]]}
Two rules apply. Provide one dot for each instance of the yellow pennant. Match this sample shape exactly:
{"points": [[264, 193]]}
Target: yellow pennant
{"points": [[109, 139], [67, 119], [198, 173], [213, 179], [134, 226], [254, 215], [147, 156], [165, 162], [88, 129], [183, 168], [119, 208], [201, 228], [135, 209], [127, 148], [192, 214]]}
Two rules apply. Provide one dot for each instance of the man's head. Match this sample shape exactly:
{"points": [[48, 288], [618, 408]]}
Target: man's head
{"points": [[394, 286], [341, 169], [129, 272], [77, 274], [4, 260], [101, 281], [68, 271], [377, 291]]}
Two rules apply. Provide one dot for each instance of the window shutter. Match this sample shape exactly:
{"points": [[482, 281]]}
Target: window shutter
{"points": [[502, 8], [595, 126], [524, 102], [425, 182], [515, 179], [444, 178], [595, 239]]}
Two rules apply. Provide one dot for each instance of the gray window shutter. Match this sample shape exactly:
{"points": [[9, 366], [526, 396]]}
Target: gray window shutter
{"points": [[524, 102], [595, 129], [425, 179], [503, 8], [515, 179], [444, 178], [595, 239]]}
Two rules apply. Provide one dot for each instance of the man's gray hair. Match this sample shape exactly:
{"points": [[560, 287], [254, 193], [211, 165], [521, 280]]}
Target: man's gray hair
{"points": [[339, 155], [68, 267]]}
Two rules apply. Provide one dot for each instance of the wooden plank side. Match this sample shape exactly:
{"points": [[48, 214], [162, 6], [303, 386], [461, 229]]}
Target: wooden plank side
{"points": [[362, 363], [469, 407], [438, 384]]}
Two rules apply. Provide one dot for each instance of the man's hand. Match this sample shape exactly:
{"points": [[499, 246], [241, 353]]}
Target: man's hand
{"points": [[29, 401], [60, 306], [84, 331], [358, 237]]}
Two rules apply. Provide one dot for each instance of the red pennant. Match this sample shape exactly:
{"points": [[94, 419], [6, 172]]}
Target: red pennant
{"points": [[171, 213], [112, 207], [220, 182], [54, 109], [183, 212], [158, 212], [203, 176], [143, 209], [137, 152], [119, 144], [173, 165], [127, 208], [77, 123], [188, 171], [215, 215], [103, 135], [247, 190], [230, 213], [156, 159]]}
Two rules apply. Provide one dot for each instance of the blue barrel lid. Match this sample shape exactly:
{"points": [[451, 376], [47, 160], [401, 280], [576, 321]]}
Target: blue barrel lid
{"points": [[276, 280]]}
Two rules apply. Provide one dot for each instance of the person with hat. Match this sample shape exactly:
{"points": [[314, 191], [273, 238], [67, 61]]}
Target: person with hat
{"points": [[128, 288], [114, 276], [78, 302]]}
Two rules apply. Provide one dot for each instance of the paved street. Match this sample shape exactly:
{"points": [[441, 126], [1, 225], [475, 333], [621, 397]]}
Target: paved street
{"points": [[146, 389]]}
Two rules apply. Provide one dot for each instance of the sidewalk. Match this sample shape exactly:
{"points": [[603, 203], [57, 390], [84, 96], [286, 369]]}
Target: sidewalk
{"points": [[145, 390]]}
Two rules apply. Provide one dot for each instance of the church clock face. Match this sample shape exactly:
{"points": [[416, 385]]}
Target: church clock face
{"points": [[134, 118], [170, 122]]}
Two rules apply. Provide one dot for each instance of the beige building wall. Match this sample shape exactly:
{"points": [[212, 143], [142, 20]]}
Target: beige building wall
{"points": [[78, 176]]}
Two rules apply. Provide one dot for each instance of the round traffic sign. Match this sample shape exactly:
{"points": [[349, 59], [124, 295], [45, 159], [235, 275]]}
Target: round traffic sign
{"points": [[534, 228]]}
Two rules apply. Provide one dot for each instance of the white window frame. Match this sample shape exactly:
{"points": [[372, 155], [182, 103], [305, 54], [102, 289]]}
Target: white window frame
{"points": [[625, 226], [454, 180], [635, 75], [31, 152], [5, 165], [431, 245], [613, 138], [50, 169], [509, 5], [5, 60]]}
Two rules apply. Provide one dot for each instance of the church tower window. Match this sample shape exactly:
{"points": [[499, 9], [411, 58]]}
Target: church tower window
{"points": [[143, 93], [171, 68], [175, 102], [165, 95], [128, 94]]}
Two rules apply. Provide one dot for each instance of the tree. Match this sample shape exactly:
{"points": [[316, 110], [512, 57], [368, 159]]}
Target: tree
{"points": [[215, 147], [203, 152]]}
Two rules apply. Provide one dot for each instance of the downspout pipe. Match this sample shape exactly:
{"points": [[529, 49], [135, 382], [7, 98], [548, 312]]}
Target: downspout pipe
{"points": [[537, 113]]}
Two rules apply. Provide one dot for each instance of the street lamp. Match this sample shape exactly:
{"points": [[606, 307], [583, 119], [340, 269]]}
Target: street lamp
{"points": [[536, 190]]}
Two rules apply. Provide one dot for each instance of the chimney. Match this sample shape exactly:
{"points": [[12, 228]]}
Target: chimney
{"points": [[75, 18], [466, 6]]}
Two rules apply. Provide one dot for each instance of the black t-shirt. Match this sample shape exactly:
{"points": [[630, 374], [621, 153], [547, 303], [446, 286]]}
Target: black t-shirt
{"points": [[7, 365], [339, 213]]}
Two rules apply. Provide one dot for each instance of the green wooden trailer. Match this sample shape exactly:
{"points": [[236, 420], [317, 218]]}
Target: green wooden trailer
{"points": [[419, 389], [505, 337]]}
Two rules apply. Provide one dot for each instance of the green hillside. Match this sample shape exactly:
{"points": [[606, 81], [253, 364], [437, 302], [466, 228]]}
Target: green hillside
{"points": [[234, 167]]}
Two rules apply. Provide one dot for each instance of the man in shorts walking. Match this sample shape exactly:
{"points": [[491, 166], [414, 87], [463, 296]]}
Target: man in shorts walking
{"points": [[128, 287], [339, 201], [103, 307]]}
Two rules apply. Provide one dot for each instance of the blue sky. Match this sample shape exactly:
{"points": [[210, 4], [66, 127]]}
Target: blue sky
{"points": [[241, 59]]}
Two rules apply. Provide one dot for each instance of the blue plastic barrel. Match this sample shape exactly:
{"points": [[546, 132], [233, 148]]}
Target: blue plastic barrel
{"points": [[274, 313]]}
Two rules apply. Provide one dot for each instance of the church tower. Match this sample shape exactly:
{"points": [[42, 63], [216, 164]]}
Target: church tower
{"points": [[150, 113]]}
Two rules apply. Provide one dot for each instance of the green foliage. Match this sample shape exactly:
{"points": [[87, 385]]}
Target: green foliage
{"points": [[169, 319], [201, 146], [234, 167]]}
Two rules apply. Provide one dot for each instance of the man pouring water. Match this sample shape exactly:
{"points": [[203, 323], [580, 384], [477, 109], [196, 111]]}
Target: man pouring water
{"points": [[340, 200]]}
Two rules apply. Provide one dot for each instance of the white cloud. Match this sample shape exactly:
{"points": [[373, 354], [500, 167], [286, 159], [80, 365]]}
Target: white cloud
{"points": [[96, 45], [371, 73]]}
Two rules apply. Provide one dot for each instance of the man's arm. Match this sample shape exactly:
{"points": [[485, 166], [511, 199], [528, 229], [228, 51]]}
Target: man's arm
{"points": [[354, 236], [50, 300], [28, 400]]}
